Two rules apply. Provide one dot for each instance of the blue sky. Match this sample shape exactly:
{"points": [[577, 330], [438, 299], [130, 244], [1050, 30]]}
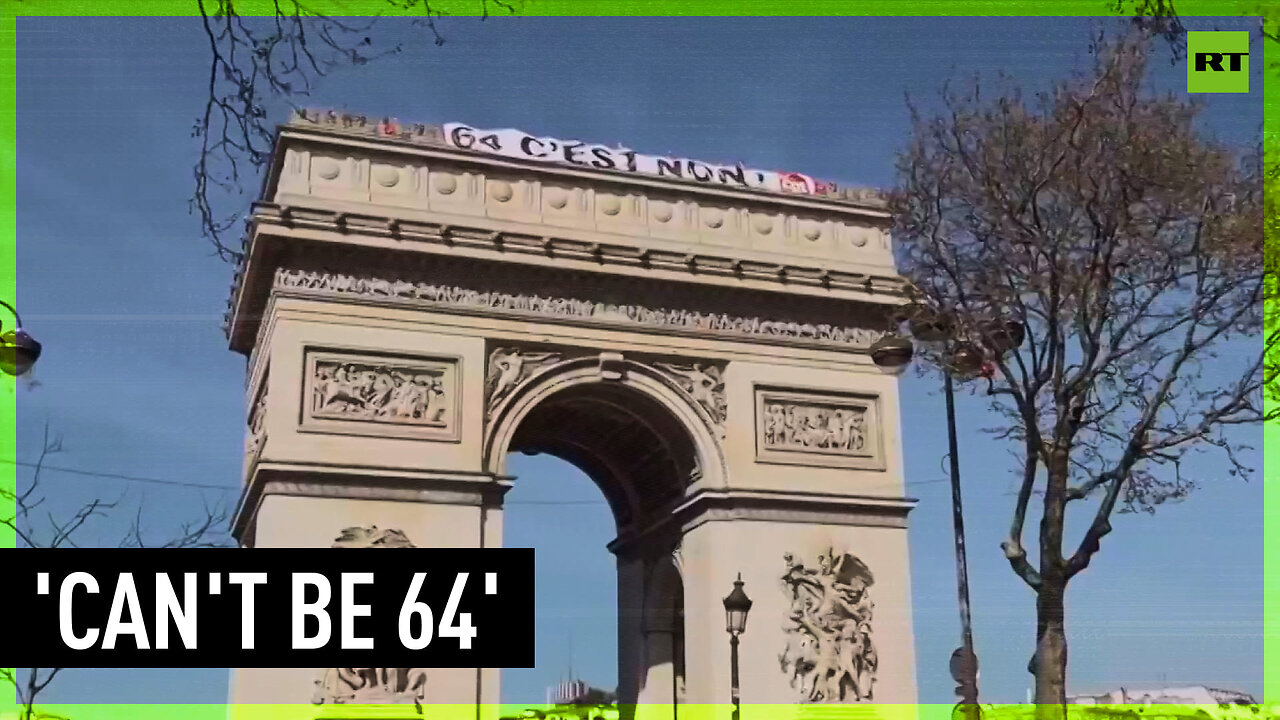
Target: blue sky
{"points": [[136, 377]]}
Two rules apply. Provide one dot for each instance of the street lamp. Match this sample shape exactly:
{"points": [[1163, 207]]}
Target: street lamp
{"points": [[18, 350], [736, 607], [961, 357]]}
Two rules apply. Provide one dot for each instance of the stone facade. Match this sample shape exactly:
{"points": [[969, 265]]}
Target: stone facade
{"points": [[419, 312]]}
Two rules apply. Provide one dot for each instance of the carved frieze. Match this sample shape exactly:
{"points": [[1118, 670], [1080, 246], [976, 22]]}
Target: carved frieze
{"points": [[824, 429], [508, 368], [371, 686], [705, 384], [830, 655], [380, 395], [562, 307]]}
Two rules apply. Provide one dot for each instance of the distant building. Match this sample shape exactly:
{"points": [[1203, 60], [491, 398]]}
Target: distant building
{"points": [[574, 700], [1198, 700], [567, 693], [1186, 695]]}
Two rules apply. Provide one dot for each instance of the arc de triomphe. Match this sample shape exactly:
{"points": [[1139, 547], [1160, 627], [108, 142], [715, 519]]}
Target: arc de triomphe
{"points": [[413, 312]]}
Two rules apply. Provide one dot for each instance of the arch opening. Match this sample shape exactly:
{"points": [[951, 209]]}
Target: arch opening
{"points": [[643, 458], [557, 510], [637, 453]]}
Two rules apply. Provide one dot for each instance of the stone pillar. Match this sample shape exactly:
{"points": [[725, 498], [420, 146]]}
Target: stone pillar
{"points": [[405, 457], [706, 643], [313, 512], [754, 542], [657, 696], [631, 656], [648, 595]]}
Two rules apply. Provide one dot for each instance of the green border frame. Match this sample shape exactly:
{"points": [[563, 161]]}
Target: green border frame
{"points": [[12, 9]]}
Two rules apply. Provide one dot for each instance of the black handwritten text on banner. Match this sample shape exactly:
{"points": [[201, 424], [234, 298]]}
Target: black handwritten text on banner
{"points": [[268, 607], [523, 146]]}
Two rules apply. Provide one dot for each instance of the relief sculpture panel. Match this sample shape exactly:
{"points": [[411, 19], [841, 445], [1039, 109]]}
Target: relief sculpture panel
{"points": [[830, 656], [381, 395], [371, 686], [820, 429], [508, 368], [257, 434], [705, 384]]}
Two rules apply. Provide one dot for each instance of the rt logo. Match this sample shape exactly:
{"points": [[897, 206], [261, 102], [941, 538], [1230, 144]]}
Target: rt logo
{"points": [[1218, 62]]}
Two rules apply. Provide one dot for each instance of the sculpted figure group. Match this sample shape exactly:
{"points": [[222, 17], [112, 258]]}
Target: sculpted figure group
{"points": [[371, 686], [368, 392], [704, 383], [830, 656], [257, 422], [508, 367], [809, 426]]}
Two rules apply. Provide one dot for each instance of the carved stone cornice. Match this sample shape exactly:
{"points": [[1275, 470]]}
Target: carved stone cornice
{"points": [[793, 507], [704, 260], [771, 506], [703, 264], [364, 483]]}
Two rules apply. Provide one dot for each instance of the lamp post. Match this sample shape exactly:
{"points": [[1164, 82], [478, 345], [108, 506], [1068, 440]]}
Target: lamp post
{"points": [[736, 607], [965, 665], [18, 350], [893, 352]]}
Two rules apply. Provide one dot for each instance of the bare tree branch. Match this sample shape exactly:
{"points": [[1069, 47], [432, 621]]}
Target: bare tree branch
{"points": [[36, 681], [1013, 548], [54, 530], [255, 62]]}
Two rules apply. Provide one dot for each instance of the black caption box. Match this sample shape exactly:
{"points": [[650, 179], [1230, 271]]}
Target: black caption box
{"points": [[54, 621]]}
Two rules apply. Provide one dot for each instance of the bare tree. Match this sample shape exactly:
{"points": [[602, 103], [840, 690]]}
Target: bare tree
{"points": [[278, 58], [1160, 18], [47, 529], [1128, 248]]}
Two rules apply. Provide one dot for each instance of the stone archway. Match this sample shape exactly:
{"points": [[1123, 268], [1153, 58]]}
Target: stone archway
{"points": [[653, 397], [645, 441], [412, 312]]}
